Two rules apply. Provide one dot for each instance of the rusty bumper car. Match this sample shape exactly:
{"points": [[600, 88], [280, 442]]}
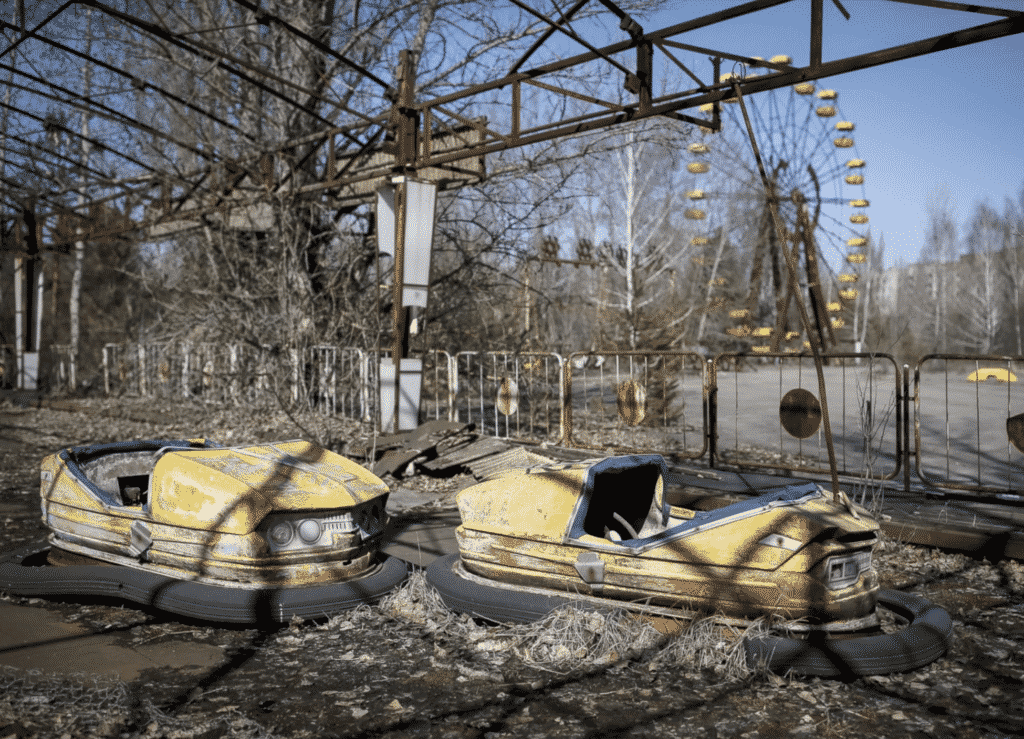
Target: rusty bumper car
{"points": [[262, 533], [601, 532]]}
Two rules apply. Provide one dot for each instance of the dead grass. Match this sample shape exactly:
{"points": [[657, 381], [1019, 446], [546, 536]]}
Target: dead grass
{"points": [[578, 638]]}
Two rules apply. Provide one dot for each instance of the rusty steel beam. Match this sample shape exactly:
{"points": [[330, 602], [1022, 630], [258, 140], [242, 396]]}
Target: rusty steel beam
{"points": [[99, 110], [566, 16], [817, 12], [188, 46], [98, 144], [264, 15], [666, 105], [717, 92], [417, 120], [599, 54], [967, 8], [76, 163]]}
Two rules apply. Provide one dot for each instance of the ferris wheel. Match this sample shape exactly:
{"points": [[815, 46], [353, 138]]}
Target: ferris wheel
{"points": [[817, 183]]}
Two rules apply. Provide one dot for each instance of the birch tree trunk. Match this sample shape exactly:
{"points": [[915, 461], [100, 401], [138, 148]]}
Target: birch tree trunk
{"points": [[75, 302]]}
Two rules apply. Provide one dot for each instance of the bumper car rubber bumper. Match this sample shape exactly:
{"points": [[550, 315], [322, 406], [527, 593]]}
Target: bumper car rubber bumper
{"points": [[24, 572], [924, 639]]}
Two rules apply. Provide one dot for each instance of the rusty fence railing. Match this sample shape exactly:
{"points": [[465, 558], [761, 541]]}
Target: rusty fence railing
{"points": [[638, 399], [511, 394], [766, 413], [334, 380], [437, 395], [8, 366], [735, 409], [968, 422]]}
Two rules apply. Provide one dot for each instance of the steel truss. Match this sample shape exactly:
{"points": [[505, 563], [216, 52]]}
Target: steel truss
{"points": [[442, 138]]}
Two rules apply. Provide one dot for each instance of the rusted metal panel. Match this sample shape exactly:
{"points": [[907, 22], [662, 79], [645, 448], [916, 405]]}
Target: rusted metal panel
{"points": [[517, 458], [657, 397]]}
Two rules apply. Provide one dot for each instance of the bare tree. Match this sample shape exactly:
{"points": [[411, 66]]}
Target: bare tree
{"points": [[302, 271], [940, 250], [983, 293], [1014, 263], [75, 302], [645, 246]]}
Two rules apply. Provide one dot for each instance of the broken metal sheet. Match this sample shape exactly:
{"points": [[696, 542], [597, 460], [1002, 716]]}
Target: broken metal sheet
{"points": [[395, 460], [479, 449], [420, 444], [514, 459], [372, 447]]}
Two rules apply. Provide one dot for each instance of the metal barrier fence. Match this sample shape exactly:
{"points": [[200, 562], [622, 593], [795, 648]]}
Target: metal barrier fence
{"points": [[336, 380], [8, 366], [769, 414], [437, 397], [509, 394], [638, 399], [741, 410], [966, 433]]}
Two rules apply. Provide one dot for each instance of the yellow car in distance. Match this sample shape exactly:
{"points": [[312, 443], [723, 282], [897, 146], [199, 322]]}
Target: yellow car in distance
{"points": [[603, 528], [992, 373], [253, 533]]}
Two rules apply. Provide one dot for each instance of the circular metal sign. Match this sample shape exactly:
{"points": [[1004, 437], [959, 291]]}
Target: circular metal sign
{"points": [[800, 413], [631, 399], [1015, 431], [508, 397]]}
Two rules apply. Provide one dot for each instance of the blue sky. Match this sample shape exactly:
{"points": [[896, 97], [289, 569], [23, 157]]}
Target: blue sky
{"points": [[948, 122]]}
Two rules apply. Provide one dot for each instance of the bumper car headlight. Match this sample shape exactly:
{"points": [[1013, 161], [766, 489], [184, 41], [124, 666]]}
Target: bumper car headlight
{"points": [[842, 572], [310, 531], [281, 533]]}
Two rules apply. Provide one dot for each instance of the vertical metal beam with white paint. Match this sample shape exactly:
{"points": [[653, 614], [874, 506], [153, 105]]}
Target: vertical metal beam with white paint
{"points": [[405, 231]]}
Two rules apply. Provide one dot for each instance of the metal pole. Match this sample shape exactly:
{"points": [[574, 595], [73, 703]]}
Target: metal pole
{"points": [[398, 312], [405, 157]]}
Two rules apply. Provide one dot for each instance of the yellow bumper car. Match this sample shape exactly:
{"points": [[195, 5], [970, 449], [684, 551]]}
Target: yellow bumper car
{"points": [[601, 531], [235, 534]]}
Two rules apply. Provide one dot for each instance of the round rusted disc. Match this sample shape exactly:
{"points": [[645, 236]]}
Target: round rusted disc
{"points": [[800, 413], [1015, 431], [632, 402], [508, 397]]}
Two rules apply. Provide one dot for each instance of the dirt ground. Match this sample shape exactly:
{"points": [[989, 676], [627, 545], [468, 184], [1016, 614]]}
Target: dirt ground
{"points": [[410, 668]]}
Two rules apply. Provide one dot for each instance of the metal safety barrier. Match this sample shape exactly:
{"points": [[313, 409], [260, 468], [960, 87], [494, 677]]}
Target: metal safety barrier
{"points": [[968, 424], [775, 396], [638, 399], [511, 394], [741, 410], [437, 396]]}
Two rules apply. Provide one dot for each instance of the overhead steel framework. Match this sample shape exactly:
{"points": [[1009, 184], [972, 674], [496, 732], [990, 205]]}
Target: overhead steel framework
{"points": [[445, 138]]}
